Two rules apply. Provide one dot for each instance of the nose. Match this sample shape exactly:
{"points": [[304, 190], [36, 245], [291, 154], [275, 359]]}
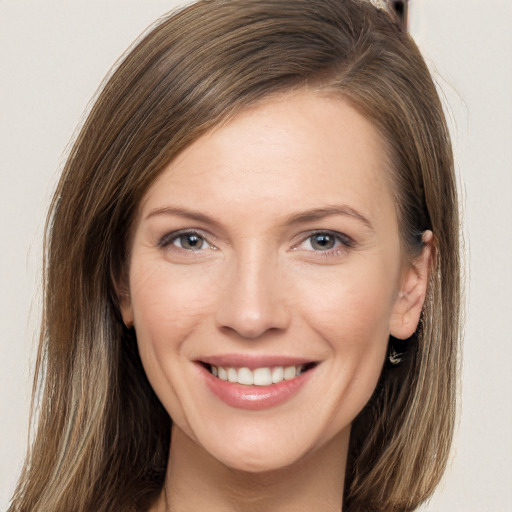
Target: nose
{"points": [[253, 298]]}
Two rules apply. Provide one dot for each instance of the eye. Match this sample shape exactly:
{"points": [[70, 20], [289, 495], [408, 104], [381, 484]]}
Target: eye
{"points": [[190, 242], [186, 240], [325, 241], [322, 241]]}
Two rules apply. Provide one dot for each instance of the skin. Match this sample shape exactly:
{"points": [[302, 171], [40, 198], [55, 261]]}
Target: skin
{"points": [[259, 283]]}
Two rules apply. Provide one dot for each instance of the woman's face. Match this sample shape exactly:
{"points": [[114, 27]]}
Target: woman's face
{"points": [[266, 275]]}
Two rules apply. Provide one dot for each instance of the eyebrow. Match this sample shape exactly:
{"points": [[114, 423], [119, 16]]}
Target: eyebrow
{"points": [[320, 213], [184, 212], [311, 215]]}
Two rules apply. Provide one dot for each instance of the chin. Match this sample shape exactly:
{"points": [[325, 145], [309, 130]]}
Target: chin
{"points": [[259, 464], [252, 449]]}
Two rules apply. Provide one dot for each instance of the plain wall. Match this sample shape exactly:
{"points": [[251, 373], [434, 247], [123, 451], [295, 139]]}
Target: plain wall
{"points": [[53, 56]]}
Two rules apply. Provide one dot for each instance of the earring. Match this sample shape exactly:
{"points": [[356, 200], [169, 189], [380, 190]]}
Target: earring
{"points": [[398, 350], [395, 358]]}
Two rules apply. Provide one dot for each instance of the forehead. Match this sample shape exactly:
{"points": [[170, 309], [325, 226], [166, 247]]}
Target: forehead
{"points": [[295, 150]]}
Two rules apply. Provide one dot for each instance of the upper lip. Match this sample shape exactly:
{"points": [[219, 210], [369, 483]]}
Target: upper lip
{"points": [[253, 361]]}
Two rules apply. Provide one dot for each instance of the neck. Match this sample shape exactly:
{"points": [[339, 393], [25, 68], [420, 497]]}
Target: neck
{"points": [[197, 482]]}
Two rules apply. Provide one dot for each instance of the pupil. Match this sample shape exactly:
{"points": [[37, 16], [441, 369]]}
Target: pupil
{"points": [[323, 242]]}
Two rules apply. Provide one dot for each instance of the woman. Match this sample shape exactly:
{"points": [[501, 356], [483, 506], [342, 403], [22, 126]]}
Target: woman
{"points": [[252, 279]]}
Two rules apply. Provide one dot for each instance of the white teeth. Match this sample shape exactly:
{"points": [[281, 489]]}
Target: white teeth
{"points": [[223, 374], [245, 377], [262, 377], [258, 376], [277, 374], [289, 372], [232, 375]]}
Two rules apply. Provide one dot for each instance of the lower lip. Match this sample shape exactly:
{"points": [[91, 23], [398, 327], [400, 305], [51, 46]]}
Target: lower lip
{"points": [[255, 398]]}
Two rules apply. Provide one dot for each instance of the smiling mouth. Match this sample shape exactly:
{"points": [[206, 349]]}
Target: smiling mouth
{"points": [[265, 376]]}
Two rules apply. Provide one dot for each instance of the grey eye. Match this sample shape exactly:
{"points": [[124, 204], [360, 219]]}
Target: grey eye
{"points": [[322, 241], [190, 241]]}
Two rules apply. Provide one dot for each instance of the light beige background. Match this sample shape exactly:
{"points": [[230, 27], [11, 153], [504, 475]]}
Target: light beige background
{"points": [[53, 55]]}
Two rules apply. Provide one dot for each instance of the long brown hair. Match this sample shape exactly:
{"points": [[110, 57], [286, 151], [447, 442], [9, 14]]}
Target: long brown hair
{"points": [[102, 436]]}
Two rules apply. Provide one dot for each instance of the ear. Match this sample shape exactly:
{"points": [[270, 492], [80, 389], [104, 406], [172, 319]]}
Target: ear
{"points": [[125, 305], [122, 294], [408, 305]]}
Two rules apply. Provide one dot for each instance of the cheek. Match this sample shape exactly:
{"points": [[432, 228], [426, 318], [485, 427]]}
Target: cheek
{"points": [[167, 303], [353, 308], [352, 316], [168, 306]]}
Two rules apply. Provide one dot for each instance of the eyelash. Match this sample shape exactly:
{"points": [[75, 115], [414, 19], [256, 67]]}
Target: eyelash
{"points": [[168, 240], [342, 242]]}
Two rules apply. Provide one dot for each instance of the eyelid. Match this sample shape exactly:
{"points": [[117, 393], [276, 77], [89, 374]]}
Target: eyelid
{"points": [[167, 240], [346, 241]]}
